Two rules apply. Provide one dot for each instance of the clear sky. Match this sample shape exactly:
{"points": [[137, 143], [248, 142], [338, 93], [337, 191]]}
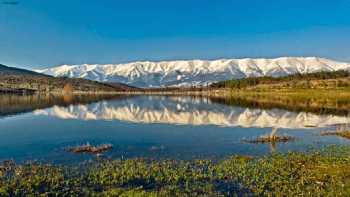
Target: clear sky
{"points": [[44, 33]]}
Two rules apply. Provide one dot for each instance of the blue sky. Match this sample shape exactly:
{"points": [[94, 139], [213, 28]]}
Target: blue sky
{"points": [[36, 33]]}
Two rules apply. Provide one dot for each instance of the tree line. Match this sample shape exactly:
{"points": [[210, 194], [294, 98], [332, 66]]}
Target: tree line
{"points": [[253, 81]]}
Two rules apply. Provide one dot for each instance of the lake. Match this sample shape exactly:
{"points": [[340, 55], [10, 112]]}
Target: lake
{"points": [[42, 127]]}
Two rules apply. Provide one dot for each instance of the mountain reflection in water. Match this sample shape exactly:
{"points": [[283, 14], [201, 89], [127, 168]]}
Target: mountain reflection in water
{"points": [[191, 111], [41, 126]]}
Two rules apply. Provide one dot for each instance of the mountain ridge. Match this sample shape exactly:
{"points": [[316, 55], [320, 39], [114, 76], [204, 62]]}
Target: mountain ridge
{"points": [[22, 81], [194, 72], [6, 70]]}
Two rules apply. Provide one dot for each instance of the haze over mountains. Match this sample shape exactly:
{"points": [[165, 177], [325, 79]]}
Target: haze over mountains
{"points": [[194, 72]]}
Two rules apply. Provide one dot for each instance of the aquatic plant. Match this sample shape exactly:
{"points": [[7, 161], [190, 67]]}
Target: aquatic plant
{"points": [[87, 148], [271, 139], [319, 173]]}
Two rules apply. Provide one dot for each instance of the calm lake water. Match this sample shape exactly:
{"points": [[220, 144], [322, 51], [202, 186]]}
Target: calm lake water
{"points": [[42, 127]]}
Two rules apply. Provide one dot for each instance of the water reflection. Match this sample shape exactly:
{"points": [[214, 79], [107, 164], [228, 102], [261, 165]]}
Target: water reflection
{"points": [[41, 126], [11, 104], [191, 111]]}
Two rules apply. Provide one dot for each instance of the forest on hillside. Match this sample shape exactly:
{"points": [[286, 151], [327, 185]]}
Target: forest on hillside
{"points": [[311, 80]]}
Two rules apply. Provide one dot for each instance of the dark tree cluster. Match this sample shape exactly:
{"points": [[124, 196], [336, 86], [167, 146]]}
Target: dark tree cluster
{"points": [[253, 81]]}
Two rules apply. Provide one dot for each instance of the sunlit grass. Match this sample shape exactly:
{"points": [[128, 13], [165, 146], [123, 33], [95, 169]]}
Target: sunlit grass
{"points": [[324, 173]]}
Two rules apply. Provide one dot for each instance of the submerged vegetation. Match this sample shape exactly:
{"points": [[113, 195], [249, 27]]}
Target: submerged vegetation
{"points": [[324, 173]]}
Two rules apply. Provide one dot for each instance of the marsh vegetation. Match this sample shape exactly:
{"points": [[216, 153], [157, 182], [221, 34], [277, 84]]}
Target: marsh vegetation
{"points": [[324, 173]]}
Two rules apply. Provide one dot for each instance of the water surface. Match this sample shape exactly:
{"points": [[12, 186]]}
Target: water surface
{"points": [[42, 127]]}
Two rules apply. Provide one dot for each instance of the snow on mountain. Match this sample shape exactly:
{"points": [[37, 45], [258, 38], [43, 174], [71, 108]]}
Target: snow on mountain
{"points": [[194, 72]]}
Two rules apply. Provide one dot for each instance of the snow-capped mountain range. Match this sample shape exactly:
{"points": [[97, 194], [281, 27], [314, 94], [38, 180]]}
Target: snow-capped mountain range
{"points": [[194, 72]]}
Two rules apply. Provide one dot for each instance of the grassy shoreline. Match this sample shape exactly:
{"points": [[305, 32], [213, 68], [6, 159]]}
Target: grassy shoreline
{"points": [[324, 173]]}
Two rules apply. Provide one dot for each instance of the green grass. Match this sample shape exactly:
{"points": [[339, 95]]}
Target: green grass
{"points": [[324, 173]]}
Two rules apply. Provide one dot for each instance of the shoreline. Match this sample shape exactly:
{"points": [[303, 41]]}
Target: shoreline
{"points": [[324, 172]]}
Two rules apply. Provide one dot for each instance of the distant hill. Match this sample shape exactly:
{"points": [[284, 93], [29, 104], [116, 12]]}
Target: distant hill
{"points": [[5, 70], [324, 79], [15, 80]]}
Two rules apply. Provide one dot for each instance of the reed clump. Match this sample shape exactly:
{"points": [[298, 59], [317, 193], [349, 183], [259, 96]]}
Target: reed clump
{"points": [[87, 148], [270, 139]]}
